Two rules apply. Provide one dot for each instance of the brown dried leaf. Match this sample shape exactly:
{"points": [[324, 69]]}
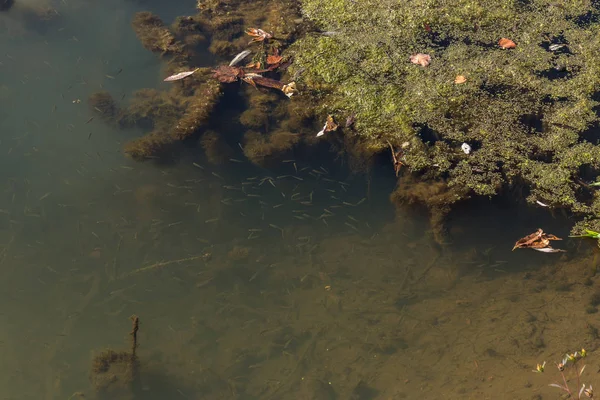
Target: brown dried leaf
{"points": [[506, 43], [254, 65], [420, 59], [228, 74], [537, 240], [274, 59], [460, 79]]}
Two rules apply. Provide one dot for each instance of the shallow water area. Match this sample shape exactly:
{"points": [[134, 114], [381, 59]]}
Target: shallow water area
{"points": [[295, 282]]}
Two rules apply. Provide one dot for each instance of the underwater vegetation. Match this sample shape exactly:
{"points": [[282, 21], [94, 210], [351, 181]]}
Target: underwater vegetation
{"points": [[183, 112], [481, 96]]}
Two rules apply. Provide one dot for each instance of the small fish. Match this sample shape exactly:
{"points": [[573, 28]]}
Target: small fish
{"points": [[541, 204], [180, 75]]}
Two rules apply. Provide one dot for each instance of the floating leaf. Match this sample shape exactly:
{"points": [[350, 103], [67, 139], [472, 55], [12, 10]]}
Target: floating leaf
{"points": [[180, 75], [538, 240], [460, 79], [506, 43], [420, 59], [274, 59]]}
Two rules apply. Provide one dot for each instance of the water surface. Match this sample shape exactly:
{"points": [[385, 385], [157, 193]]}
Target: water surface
{"points": [[295, 282]]}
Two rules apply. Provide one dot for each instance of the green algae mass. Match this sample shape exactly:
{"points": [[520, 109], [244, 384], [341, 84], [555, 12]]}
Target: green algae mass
{"points": [[530, 113]]}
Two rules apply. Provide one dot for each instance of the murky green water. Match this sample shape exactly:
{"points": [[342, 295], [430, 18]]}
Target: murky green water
{"points": [[297, 282]]}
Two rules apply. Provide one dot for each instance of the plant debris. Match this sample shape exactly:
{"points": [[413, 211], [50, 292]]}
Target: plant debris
{"points": [[539, 241], [329, 126], [506, 43], [180, 75], [258, 34], [460, 79], [237, 59], [420, 59]]}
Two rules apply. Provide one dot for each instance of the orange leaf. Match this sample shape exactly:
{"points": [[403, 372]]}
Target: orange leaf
{"points": [[253, 65], [506, 43], [460, 79], [273, 59]]}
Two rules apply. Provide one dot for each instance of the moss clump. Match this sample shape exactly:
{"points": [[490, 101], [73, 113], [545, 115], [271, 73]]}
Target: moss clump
{"points": [[260, 148], [526, 112], [103, 104], [198, 110], [154, 35], [150, 146], [151, 108], [216, 149]]}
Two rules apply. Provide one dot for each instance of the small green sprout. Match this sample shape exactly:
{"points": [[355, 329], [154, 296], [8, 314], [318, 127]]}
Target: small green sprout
{"points": [[589, 234]]}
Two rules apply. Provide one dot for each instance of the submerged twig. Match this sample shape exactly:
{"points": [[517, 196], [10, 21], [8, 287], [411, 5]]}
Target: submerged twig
{"points": [[164, 264]]}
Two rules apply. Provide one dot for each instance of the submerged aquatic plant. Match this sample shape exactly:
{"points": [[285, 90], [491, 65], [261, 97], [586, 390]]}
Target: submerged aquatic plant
{"points": [[528, 109], [569, 366]]}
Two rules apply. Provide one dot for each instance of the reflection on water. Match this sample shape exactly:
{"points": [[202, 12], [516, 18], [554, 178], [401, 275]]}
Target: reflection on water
{"points": [[296, 282]]}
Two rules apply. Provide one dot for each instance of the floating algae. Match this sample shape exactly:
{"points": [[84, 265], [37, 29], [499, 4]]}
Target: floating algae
{"points": [[198, 110], [264, 148], [528, 112], [103, 104], [152, 145], [217, 151], [151, 108], [154, 35]]}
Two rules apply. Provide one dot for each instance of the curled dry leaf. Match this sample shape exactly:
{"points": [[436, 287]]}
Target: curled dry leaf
{"points": [[273, 59], [538, 240], [329, 126], [460, 79], [290, 89], [258, 34], [254, 65], [506, 43], [420, 59]]}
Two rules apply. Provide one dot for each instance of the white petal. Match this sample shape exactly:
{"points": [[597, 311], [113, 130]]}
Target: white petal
{"points": [[466, 148], [322, 131]]}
